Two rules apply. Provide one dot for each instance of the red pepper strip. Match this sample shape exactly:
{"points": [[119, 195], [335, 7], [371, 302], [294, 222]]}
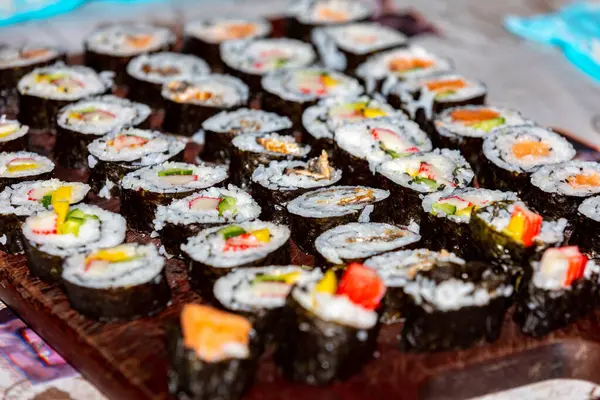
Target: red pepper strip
{"points": [[577, 263], [362, 286], [532, 227], [242, 242]]}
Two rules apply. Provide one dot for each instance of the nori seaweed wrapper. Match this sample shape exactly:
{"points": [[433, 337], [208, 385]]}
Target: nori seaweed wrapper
{"points": [[145, 92], [17, 144], [292, 109], [4, 182], [45, 266], [210, 52], [274, 202], [10, 228], [587, 235], [119, 303], [553, 205], [491, 176], [172, 236], [356, 170], [442, 233], [406, 204], [40, 113], [184, 118]]}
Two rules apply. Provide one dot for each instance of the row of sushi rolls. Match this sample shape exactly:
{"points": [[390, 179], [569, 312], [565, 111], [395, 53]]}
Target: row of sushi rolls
{"points": [[420, 203]]}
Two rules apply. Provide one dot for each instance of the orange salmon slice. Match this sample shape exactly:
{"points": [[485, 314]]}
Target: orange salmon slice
{"points": [[403, 64], [591, 179], [34, 53], [332, 15], [240, 31], [471, 117], [530, 148], [444, 85], [139, 41]]}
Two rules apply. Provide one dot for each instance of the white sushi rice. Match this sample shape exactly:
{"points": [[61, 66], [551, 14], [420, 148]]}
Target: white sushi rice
{"points": [[556, 281], [237, 290], [555, 178], [181, 66], [17, 129], [248, 142], [113, 39], [315, 12], [286, 84], [12, 57], [447, 126], [473, 88], [245, 120], [147, 266], [91, 83], [44, 165], [358, 140], [106, 231], [226, 91], [207, 246], [590, 208], [324, 118], [361, 240], [274, 176], [180, 213], [126, 113], [498, 148], [17, 199], [450, 168], [325, 203], [219, 29], [364, 37], [148, 178], [259, 56]]}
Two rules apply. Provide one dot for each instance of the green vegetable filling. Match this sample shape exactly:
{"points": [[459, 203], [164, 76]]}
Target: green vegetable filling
{"points": [[489, 124], [231, 231], [175, 171], [227, 203]]}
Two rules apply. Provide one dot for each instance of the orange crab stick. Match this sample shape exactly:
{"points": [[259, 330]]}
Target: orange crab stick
{"points": [[524, 225]]}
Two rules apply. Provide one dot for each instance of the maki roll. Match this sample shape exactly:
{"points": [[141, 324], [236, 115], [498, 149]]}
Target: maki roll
{"points": [[22, 166], [385, 69], [190, 101], [147, 73], [512, 154], [363, 146], [220, 130], [251, 150], [13, 135], [204, 37], [319, 210], [399, 268], [323, 119], [117, 283], [291, 91], [212, 354], [279, 182], [217, 251], [22, 200], [587, 227], [51, 236], [354, 242], [454, 306], [115, 155], [250, 59], [412, 177], [446, 217], [47, 89], [143, 190], [345, 47], [184, 218], [80, 123], [563, 289], [464, 128], [557, 190], [111, 47], [330, 327]]}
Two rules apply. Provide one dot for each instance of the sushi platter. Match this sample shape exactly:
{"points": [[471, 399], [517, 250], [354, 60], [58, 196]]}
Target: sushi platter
{"points": [[332, 215]]}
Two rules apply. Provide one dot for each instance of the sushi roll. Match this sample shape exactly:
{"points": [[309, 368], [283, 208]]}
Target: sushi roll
{"points": [[345, 47], [363, 146], [557, 190], [411, 178], [587, 227], [13, 135], [279, 182], [563, 289], [212, 354], [215, 206], [454, 306], [322, 120], [215, 252], [21, 200], [319, 210], [80, 123], [446, 216], [143, 190], [354, 242], [306, 15], [464, 128], [190, 101], [250, 59], [251, 150], [204, 37], [510, 155], [147, 73], [52, 236], [220, 130], [117, 283], [111, 47], [397, 269], [331, 327], [115, 155], [291, 91], [384, 70], [47, 89], [22, 166]]}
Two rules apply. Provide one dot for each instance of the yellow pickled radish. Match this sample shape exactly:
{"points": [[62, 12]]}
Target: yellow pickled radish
{"points": [[328, 81], [373, 113], [61, 198], [262, 235], [516, 226], [328, 284], [21, 166], [291, 277], [116, 254]]}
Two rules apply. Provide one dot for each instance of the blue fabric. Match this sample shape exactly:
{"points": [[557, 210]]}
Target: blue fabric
{"points": [[575, 29]]}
